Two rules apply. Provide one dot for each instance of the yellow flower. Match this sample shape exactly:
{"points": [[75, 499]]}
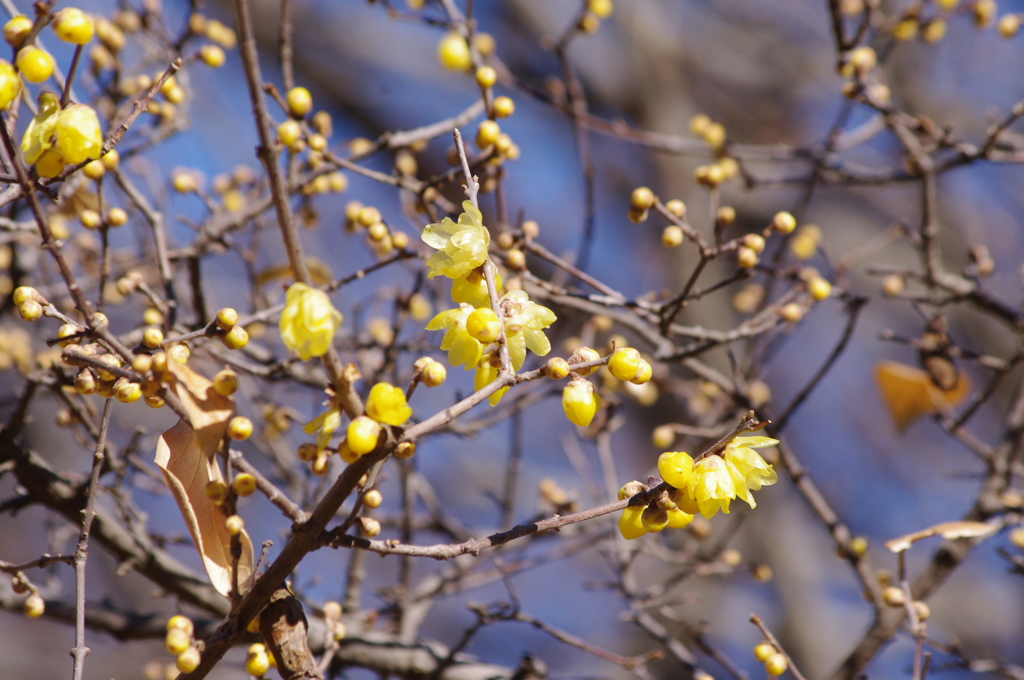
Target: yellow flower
{"points": [[748, 470], [386, 404], [472, 288], [39, 134], [10, 84], [308, 321], [78, 134], [711, 486], [524, 324], [675, 467], [677, 519], [462, 348], [580, 401], [461, 247], [630, 522], [327, 422], [486, 373]]}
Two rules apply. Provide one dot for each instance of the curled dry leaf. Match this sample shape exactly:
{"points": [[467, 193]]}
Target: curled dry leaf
{"points": [[948, 530], [186, 454], [909, 392]]}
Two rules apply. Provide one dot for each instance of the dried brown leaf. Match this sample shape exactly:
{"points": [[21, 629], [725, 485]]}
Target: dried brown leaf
{"points": [[187, 456], [909, 392], [948, 530]]}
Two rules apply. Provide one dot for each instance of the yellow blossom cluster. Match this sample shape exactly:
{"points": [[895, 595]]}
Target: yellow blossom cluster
{"points": [[704, 486], [473, 329]]}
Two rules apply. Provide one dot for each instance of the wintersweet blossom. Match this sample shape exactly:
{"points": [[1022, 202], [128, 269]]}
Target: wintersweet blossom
{"points": [[580, 401], [39, 133], [386, 404], [461, 247], [462, 348], [630, 522], [748, 469], [525, 322], [711, 486], [486, 373], [78, 134], [324, 425], [308, 321], [472, 288], [675, 467]]}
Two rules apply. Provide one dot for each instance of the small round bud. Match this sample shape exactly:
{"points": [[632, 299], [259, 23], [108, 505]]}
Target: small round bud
{"points": [[116, 216], [239, 428], [236, 338], [34, 64], [128, 392], [369, 527], [1017, 537], [671, 236], [515, 259], [34, 606], [776, 664], [894, 596], [486, 76], [783, 222], [746, 258], [94, 170], [225, 383], [373, 498], [368, 216], [1008, 26], [486, 134], [244, 484], [763, 651], [819, 288], [792, 312], [453, 53], [636, 216], [663, 436], [306, 452], [66, 334], [234, 525], [177, 641], [624, 363], [859, 545], [644, 373], [212, 55], [709, 175], [602, 9], [863, 59], [503, 107], [893, 285], [922, 610], [17, 29], [227, 318], [289, 132], [725, 215], [216, 491], [152, 337], [179, 622], [642, 198], [30, 310], [188, 660], [179, 353], [433, 374], [755, 242], [934, 31], [111, 159], [484, 44], [300, 101], [258, 664], [184, 182], [405, 450], [85, 382], [90, 219], [362, 435]]}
